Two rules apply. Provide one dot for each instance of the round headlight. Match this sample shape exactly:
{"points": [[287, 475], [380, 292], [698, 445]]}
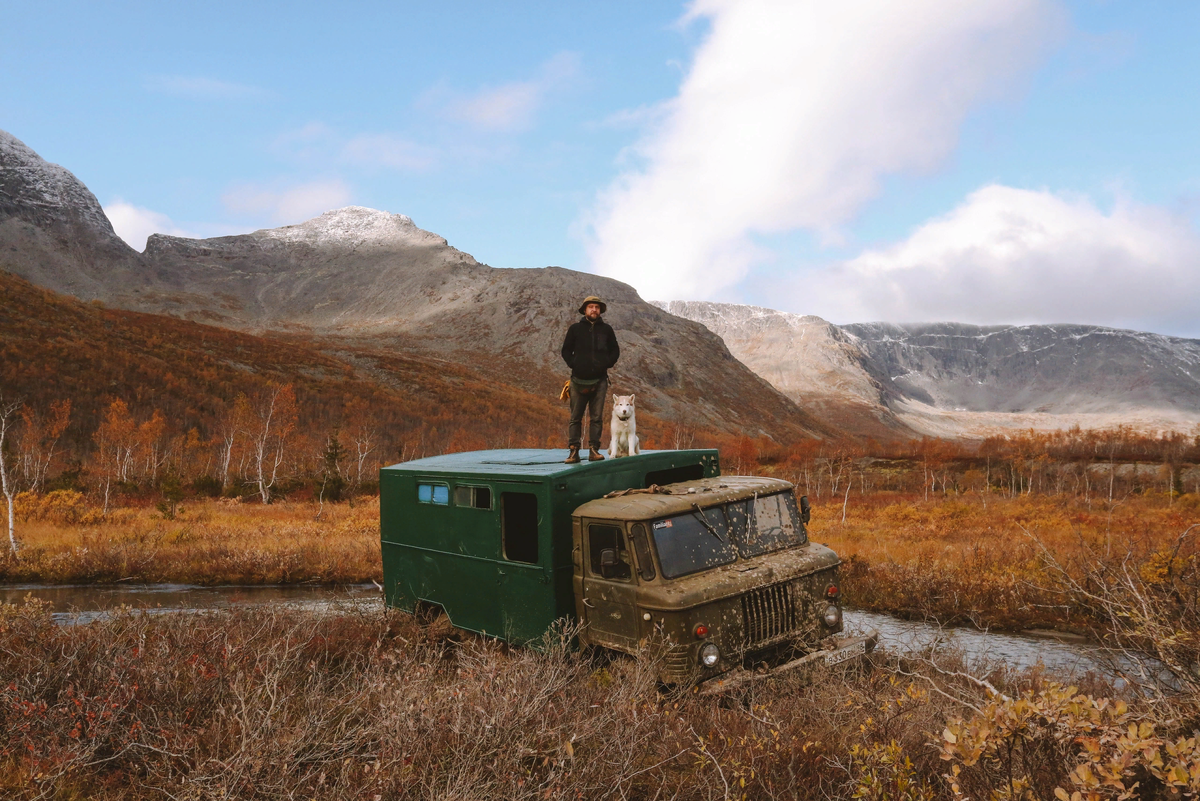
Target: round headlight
{"points": [[832, 616], [709, 654]]}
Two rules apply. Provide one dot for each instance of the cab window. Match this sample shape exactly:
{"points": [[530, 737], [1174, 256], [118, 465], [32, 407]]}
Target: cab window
{"points": [[607, 556], [641, 547]]}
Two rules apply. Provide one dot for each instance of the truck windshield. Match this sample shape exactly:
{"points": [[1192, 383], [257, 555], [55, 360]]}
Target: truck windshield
{"points": [[769, 523], [705, 538], [693, 542]]}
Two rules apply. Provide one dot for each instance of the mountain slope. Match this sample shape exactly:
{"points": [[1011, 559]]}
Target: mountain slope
{"points": [[950, 379], [53, 230], [1043, 368], [54, 347], [362, 279], [810, 360]]}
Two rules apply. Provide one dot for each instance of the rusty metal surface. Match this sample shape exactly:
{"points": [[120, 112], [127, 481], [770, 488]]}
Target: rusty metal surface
{"points": [[734, 579], [812, 661], [707, 492]]}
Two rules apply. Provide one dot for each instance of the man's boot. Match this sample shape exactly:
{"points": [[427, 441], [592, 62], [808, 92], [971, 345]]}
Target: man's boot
{"points": [[573, 456], [594, 455]]}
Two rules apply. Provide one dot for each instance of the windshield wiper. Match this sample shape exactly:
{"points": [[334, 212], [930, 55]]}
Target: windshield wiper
{"points": [[700, 514]]}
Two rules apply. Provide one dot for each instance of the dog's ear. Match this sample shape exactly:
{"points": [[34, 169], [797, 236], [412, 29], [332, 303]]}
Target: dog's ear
{"points": [[631, 397], [615, 396]]}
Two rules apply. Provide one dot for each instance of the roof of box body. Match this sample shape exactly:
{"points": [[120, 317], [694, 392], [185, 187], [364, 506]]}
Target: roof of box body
{"points": [[528, 462]]}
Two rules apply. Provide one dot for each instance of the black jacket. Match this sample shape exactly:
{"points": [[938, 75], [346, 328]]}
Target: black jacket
{"points": [[589, 349]]}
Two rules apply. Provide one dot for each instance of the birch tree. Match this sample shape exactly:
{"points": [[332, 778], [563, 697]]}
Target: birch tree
{"points": [[273, 419], [116, 440], [8, 419], [363, 432], [39, 441], [230, 429]]}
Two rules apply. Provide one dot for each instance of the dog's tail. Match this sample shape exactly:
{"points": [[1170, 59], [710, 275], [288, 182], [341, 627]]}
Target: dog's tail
{"points": [[565, 395]]}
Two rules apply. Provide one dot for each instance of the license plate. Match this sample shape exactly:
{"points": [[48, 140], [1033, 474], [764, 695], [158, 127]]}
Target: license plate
{"points": [[844, 654]]}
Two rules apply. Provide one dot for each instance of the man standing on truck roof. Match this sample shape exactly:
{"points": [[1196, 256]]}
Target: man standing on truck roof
{"points": [[589, 349]]}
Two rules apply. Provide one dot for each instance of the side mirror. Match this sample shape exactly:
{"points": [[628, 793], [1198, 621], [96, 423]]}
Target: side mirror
{"points": [[608, 562], [805, 508]]}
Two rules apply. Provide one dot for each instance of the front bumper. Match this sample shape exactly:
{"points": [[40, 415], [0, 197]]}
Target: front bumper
{"points": [[846, 649]]}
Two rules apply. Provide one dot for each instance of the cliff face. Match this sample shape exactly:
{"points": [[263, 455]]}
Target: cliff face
{"points": [[53, 231], [815, 363], [1045, 368], [954, 379]]}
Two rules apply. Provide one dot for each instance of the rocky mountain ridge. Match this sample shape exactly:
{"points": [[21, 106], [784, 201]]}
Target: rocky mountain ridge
{"points": [[53, 230], [958, 379], [365, 281]]}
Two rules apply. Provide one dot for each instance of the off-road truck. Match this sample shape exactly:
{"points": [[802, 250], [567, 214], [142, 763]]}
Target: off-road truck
{"points": [[657, 547]]}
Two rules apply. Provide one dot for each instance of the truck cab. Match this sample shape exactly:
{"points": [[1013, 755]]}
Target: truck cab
{"points": [[655, 547], [722, 568]]}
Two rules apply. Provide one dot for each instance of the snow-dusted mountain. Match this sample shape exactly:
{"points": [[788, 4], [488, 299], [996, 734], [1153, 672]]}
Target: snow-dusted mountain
{"points": [[950, 378], [53, 229], [366, 281], [361, 278], [810, 360], [353, 270]]}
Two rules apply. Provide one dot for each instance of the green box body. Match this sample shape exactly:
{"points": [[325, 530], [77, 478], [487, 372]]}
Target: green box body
{"points": [[486, 535]]}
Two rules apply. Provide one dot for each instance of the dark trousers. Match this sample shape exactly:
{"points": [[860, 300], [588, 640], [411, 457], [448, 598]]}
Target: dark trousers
{"points": [[594, 403]]}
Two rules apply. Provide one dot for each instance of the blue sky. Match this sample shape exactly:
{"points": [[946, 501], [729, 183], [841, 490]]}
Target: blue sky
{"points": [[993, 162]]}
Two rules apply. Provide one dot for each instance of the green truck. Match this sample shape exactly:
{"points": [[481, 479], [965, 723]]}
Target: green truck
{"points": [[653, 546]]}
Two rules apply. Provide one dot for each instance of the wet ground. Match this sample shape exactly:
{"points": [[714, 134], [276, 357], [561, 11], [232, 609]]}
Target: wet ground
{"points": [[76, 604], [83, 603]]}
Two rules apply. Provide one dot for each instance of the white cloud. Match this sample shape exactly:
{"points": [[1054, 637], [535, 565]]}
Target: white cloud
{"points": [[287, 205], [511, 106], [134, 224], [201, 88], [790, 116], [1018, 256], [387, 150]]}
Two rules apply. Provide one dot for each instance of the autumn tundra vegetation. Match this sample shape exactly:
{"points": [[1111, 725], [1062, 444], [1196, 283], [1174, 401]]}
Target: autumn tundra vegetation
{"points": [[1088, 531], [225, 475]]}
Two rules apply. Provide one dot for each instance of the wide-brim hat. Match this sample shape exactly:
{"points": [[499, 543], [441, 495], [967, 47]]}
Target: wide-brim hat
{"points": [[592, 299]]}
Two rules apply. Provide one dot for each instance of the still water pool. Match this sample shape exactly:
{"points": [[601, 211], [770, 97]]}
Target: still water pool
{"points": [[78, 604]]}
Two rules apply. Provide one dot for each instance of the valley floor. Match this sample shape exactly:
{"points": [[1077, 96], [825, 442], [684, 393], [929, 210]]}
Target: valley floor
{"points": [[272, 702], [987, 560], [207, 542], [277, 703]]}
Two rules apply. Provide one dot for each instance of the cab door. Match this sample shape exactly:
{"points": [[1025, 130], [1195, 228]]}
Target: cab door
{"points": [[609, 591]]}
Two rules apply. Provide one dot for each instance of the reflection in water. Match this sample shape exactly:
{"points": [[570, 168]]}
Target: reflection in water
{"points": [[1011, 650], [83, 603], [76, 604]]}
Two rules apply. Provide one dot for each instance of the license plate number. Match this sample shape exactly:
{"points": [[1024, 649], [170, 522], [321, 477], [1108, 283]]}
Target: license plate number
{"points": [[845, 654]]}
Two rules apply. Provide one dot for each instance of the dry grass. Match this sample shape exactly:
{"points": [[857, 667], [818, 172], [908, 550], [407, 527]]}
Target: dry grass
{"points": [[277, 703], [968, 558], [268, 703], [983, 560], [208, 542]]}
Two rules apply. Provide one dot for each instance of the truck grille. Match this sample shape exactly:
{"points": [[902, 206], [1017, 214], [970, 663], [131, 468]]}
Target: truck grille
{"points": [[768, 612], [677, 664]]}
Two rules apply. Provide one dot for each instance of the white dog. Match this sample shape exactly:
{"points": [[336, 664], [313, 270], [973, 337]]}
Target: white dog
{"points": [[623, 428]]}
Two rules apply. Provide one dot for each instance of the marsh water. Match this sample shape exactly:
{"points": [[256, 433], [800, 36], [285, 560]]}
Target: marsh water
{"points": [[81, 604]]}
